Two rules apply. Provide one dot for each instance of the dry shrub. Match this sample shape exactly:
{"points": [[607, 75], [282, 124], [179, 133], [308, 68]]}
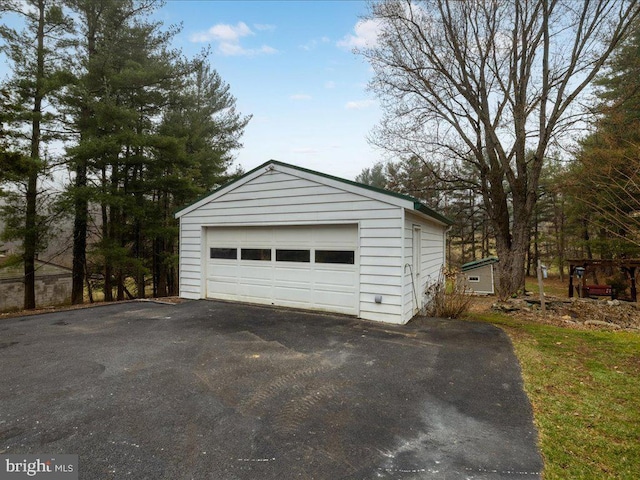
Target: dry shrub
{"points": [[446, 298]]}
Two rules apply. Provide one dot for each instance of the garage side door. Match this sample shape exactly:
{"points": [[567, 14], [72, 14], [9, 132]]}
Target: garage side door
{"points": [[313, 267]]}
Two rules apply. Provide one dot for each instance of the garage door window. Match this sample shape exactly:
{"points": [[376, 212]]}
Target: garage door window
{"points": [[335, 256], [293, 256], [225, 253], [256, 254]]}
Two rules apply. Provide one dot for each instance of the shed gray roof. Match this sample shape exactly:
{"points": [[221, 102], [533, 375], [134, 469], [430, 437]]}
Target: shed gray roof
{"points": [[479, 263]]}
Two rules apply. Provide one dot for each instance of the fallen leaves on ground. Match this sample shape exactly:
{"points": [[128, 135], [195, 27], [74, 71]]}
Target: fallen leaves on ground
{"points": [[575, 312]]}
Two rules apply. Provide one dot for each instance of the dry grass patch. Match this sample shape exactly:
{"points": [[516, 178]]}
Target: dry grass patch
{"points": [[447, 296]]}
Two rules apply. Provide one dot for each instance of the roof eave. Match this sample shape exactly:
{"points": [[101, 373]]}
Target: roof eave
{"points": [[422, 208], [197, 203], [400, 198], [479, 263]]}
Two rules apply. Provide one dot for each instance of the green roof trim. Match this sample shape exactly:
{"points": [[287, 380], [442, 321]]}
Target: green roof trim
{"points": [[479, 263], [417, 205]]}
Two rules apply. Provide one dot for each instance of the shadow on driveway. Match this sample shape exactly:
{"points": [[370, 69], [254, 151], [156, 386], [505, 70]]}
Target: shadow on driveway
{"points": [[226, 391]]}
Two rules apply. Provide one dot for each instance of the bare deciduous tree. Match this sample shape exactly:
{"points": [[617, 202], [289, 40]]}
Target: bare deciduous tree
{"points": [[490, 84]]}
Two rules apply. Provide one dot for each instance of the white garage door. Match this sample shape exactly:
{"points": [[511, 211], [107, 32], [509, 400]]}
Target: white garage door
{"points": [[313, 267]]}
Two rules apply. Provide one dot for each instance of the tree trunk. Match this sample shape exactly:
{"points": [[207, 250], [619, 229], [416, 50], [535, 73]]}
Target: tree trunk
{"points": [[587, 239], [108, 282], [31, 220], [115, 242], [81, 204], [560, 238], [510, 268], [106, 238], [511, 243], [473, 240], [485, 237], [88, 279], [79, 234], [463, 252], [587, 242], [120, 283], [536, 243], [154, 267], [161, 267], [529, 259], [172, 277], [30, 241], [140, 285], [119, 234], [138, 244]]}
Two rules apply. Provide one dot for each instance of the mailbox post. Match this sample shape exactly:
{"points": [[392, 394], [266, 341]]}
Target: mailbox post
{"points": [[579, 274]]}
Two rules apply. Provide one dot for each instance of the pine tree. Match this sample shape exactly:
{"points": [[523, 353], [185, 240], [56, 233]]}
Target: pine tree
{"points": [[605, 178], [199, 132], [154, 131], [457, 196], [374, 176], [123, 73], [13, 165], [37, 75]]}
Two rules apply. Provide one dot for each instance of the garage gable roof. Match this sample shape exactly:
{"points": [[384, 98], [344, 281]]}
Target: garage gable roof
{"points": [[398, 199]]}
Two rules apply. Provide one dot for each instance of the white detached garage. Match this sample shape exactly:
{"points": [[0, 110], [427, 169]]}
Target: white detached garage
{"points": [[288, 236]]}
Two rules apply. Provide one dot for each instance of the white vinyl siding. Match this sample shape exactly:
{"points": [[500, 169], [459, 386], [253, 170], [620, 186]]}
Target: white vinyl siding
{"points": [[431, 261], [484, 284], [277, 198]]}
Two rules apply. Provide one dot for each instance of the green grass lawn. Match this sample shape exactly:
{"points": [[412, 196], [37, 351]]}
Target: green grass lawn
{"points": [[585, 390], [552, 286]]}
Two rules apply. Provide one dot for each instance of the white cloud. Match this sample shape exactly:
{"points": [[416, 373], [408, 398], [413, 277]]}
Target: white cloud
{"points": [[264, 27], [199, 37], [228, 39], [266, 49], [300, 96], [330, 84], [359, 104], [313, 43], [365, 35], [229, 49], [309, 45], [223, 33]]}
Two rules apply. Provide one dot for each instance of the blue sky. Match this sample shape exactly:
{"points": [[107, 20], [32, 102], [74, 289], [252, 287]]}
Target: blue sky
{"points": [[290, 64]]}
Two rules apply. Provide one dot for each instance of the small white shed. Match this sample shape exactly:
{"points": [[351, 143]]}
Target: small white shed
{"points": [[288, 236], [480, 275]]}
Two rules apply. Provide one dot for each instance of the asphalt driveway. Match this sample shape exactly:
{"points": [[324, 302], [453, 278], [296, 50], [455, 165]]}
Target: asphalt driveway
{"points": [[214, 390]]}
